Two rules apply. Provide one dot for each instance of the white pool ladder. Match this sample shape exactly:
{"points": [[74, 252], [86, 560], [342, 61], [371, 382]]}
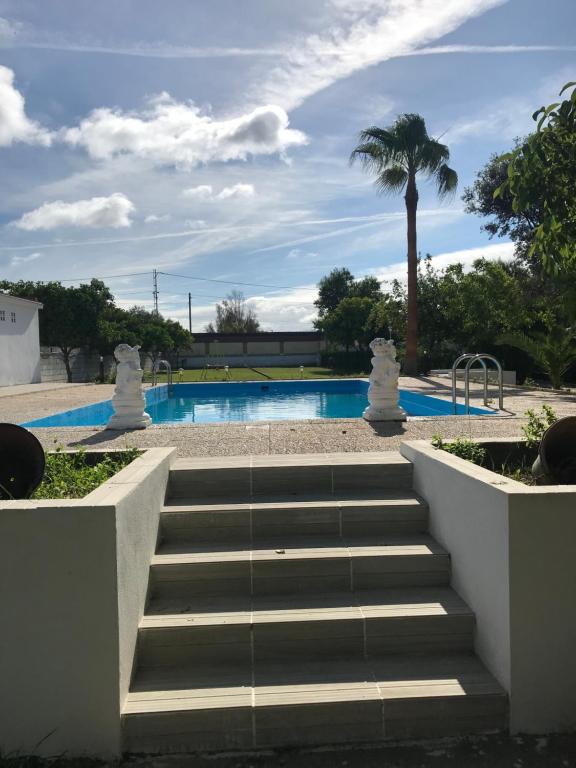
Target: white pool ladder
{"points": [[156, 367], [471, 359]]}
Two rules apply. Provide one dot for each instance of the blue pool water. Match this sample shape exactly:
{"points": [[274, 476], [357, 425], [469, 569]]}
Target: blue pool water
{"points": [[254, 401]]}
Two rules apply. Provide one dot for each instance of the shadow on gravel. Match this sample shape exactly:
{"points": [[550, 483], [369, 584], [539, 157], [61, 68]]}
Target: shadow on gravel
{"points": [[498, 751]]}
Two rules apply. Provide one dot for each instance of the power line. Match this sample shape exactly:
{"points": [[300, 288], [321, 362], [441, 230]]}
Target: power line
{"points": [[233, 282], [104, 277]]}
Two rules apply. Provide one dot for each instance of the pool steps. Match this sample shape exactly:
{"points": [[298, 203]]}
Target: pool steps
{"points": [[299, 600]]}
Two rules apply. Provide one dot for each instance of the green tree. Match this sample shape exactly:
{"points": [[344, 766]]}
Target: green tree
{"points": [[233, 315], [541, 171], [397, 155], [156, 335], [71, 315], [348, 322], [504, 220], [332, 289]]}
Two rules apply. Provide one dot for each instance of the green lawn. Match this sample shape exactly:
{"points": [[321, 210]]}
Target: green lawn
{"points": [[256, 374]]}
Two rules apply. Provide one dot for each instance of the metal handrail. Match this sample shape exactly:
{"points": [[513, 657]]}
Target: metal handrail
{"points": [[156, 368], [461, 359], [470, 362], [472, 359]]}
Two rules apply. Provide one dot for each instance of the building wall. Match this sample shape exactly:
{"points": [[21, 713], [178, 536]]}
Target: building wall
{"points": [[19, 341]]}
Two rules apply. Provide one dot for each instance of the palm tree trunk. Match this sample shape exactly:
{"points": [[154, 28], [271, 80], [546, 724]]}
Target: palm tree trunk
{"points": [[411, 360]]}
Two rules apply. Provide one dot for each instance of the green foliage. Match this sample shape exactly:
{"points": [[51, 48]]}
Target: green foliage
{"points": [[461, 447], [72, 476], [503, 219], [553, 351], [541, 172], [233, 315], [537, 424], [340, 284], [348, 323]]}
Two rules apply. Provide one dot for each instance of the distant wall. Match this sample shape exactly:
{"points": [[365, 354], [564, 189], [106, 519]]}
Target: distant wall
{"points": [[260, 349]]}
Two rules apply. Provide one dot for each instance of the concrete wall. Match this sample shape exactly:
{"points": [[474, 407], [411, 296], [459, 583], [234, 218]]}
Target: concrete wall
{"points": [[267, 352], [19, 341], [73, 580], [512, 548]]}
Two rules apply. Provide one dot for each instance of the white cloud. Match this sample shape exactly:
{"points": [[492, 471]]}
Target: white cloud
{"points": [[297, 254], [206, 192], [489, 49], [155, 219], [178, 134], [369, 32], [98, 212], [195, 223], [236, 191], [14, 123], [15, 261], [493, 252]]}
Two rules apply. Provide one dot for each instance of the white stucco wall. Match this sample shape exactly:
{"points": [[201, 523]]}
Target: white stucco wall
{"points": [[73, 582], [19, 341], [512, 549]]}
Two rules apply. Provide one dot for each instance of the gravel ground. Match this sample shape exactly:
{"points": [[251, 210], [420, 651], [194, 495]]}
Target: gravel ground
{"points": [[321, 436], [498, 751]]}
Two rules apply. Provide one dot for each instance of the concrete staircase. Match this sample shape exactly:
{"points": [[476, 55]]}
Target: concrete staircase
{"points": [[299, 600]]}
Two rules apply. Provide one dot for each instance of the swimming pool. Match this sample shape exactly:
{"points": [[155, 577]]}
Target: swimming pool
{"points": [[219, 402]]}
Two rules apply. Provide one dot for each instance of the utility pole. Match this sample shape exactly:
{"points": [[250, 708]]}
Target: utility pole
{"points": [[190, 312], [155, 289]]}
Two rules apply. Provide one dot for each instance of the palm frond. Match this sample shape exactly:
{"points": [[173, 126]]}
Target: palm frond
{"points": [[447, 180], [432, 156], [392, 179], [370, 155]]}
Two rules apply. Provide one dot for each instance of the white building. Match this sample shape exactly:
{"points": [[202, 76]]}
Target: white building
{"points": [[19, 340]]}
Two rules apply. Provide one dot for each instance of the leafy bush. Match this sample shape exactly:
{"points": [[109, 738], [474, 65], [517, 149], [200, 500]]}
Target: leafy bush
{"points": [[461, 447], [72, 475], [538, 423]]}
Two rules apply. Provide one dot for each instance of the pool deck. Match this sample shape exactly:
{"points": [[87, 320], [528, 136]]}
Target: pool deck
{"points": [[27, 402]]}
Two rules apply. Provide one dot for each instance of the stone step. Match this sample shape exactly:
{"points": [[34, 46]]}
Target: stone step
{"points": [[294, 565], [385, 513], [259, 705], [227, 629], [237, 477]]}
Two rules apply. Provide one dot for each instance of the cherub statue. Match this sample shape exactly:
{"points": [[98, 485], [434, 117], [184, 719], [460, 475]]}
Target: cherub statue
{"points": [[128, 400], [383, 393]]}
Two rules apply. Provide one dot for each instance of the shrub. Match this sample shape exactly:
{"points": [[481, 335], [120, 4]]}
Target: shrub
{"points": [[461, 447], [72, 475], [537, 424]]}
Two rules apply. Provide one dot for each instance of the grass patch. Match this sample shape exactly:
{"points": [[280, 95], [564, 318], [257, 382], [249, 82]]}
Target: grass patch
{"points": [[257, 374], [74, 475]]}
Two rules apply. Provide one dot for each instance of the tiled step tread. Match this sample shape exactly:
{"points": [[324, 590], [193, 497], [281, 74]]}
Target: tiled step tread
{"points": [[390, 603], [304, 548], [308, 501], [312, 683], [393, 458]]}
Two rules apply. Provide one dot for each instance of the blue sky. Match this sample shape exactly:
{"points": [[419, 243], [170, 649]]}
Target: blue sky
{"points": [[211, 138]]}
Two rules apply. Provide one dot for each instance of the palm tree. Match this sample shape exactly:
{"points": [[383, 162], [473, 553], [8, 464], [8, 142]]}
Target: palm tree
{"points": [[554, 351], [397, 155]]}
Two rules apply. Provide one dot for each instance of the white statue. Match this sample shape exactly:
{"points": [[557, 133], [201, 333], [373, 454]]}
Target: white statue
{"points": [[128, 400], [383, 390]]}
